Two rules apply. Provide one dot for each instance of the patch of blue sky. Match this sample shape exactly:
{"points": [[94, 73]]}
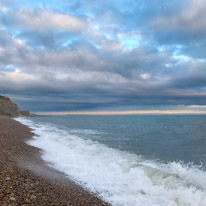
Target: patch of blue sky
{"points": [[161, 48], [71, 43], [35, 4], [130, 43], [67, 43], [14, 32], [9, 67], [95, 45]]}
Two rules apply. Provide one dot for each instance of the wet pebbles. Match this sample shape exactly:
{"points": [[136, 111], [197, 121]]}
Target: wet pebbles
{"points": [[26, 180]]}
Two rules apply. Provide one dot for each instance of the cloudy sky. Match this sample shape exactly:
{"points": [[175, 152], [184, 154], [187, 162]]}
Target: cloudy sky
{"points": [[89, 55]]}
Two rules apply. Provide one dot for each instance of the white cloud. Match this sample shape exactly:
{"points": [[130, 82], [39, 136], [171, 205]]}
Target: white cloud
{"points": [[61, 76], [145, 76], [46, 19], [4, 9], [17, 76], [197, 106], [1, 51], [19, 42]]}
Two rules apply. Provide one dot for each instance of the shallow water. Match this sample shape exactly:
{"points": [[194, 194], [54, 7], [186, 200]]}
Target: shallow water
{"points": [[129, 160]]}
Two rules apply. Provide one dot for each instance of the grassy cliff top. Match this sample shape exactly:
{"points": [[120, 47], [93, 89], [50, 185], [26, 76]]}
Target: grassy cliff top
{"points": [[8, 108]]}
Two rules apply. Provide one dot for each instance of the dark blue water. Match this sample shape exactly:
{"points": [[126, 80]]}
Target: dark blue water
{"points": [[159, 137]]}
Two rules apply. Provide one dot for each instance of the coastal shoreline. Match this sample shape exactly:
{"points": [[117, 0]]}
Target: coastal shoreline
{"points": [[25, 179]]}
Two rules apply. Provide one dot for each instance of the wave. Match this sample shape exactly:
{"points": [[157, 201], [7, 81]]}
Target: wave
{"points": [[118, 177]]}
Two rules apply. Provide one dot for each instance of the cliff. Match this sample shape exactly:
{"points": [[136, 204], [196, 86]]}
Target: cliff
{"points": [[8, 108]]}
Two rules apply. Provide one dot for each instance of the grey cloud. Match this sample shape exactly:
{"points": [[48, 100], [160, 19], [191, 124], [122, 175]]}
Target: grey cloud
{"points": [[49, 40], [115, 72], [94, 70], [190, 19], [4, 38], [186, 27]]}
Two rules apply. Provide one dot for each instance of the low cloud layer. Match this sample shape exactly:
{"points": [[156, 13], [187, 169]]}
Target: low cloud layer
{"points": [[81, 55]]}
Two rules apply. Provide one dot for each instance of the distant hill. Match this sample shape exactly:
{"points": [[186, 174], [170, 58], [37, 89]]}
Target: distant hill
{"points": [[8, 108]]}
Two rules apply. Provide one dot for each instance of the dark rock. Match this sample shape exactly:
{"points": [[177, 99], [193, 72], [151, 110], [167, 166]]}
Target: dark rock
{"points": [[25, 113]]}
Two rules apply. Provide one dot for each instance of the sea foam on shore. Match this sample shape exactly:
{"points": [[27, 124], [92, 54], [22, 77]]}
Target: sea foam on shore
{"points": [[119, 177]]}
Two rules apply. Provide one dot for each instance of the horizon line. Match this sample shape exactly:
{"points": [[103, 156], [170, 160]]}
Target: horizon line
{"points": [[122, 112]]}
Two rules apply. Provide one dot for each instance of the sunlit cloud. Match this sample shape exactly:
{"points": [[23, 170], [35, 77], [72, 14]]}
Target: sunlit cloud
{"points": [[197, 106]]}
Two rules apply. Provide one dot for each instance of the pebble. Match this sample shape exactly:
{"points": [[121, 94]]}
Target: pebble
{"points": [[28, 187]]}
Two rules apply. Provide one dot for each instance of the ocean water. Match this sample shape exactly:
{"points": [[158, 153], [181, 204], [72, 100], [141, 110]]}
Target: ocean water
{"points": [[134, 160]]}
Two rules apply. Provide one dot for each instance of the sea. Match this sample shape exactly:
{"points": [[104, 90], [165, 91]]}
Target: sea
{"points": [[128, 160]]}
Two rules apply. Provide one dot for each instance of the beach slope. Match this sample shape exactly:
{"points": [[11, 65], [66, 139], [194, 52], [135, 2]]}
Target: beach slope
{"points": [[26, 180]]}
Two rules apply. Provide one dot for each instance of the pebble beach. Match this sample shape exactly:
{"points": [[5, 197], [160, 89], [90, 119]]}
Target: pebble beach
{"points": [[26, 180]]}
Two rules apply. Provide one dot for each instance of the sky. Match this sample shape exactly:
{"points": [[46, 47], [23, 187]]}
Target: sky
{"points": [[105, 55]]}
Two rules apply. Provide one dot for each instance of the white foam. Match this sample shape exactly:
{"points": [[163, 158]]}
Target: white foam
{"points": [[121, 178], [84, 131]]}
